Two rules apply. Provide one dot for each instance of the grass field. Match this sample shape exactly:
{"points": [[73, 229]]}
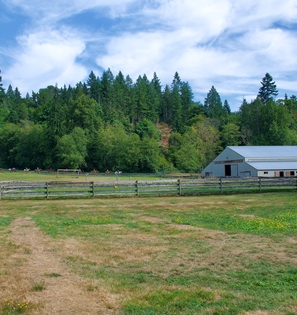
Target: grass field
{"points": [[53, 176], [176, 255]]}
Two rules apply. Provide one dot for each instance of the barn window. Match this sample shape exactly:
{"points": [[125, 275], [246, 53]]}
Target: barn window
{"points": [[292, 173], [265, 172]]}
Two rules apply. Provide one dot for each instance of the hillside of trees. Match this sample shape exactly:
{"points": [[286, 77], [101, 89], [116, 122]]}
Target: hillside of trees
{"points": [[113, 123]]}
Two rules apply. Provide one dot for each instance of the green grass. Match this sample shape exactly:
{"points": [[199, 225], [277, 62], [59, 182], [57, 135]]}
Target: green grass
{"points": [[38, 286], [180, 255], [47, 177], [14, 307]]}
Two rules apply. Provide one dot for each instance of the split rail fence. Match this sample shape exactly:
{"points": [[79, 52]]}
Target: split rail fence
{"points": [[52, 190]]}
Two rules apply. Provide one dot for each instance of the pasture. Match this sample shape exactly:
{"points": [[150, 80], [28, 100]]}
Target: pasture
{"points": [[44, 176], [204, 255]]}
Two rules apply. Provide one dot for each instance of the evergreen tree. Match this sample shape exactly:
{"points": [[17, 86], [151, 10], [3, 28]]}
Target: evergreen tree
{"points": [[155, 94], [10, 93], [186, 100], [166, 112], [226, 108], [106, 96], [2, 93], [176, 82], [131, 109], [142, 98], [213, 107], [93, 84], [3, 109], [176, 107], [81, 88], [268, 89], [56, 120], [120, 93], [17, 107]]}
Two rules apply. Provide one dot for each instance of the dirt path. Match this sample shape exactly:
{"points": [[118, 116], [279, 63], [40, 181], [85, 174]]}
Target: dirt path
{"points": [[38, 262]]}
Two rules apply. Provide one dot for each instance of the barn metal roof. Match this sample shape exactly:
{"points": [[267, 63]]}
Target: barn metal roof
{"points": [[273, 166], [265, 151]]}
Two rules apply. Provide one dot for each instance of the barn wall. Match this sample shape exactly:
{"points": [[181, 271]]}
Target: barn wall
{"points": [[229, 160], [230, 163], [278, 173]]}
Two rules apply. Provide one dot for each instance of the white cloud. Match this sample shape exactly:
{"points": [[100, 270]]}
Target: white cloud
{"points": [[46, 58], [209, 15], [55, 10], [228, 43]]}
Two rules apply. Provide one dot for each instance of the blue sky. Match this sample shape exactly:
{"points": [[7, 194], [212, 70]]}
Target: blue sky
{"points": [[229, 44]]}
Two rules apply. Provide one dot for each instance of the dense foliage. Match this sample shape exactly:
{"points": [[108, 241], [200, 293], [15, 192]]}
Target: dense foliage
{"points": [[112, 123]]}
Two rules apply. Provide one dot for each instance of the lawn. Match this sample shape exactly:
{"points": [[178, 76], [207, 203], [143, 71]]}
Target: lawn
{"points": [[172, 255]]}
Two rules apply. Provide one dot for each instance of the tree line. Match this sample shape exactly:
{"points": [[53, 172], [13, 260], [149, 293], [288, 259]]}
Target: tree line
{"points": [[111, 122]]}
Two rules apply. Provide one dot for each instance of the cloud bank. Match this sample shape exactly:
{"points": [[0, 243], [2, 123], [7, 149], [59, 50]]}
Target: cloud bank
{"points": [[229, 44]]}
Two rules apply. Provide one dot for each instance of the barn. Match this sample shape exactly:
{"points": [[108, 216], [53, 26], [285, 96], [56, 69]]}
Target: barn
{"points": [[255, 161]]}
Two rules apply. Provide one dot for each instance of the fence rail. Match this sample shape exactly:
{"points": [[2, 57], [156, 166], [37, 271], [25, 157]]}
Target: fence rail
{"points": [[48, 190]]}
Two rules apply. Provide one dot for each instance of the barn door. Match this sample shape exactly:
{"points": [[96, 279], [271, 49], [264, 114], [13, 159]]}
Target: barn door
{"points": [[234, 170], [227, 170]]}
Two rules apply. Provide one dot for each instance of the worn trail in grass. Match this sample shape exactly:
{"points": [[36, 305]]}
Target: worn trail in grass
{"points": [[39, 277]]}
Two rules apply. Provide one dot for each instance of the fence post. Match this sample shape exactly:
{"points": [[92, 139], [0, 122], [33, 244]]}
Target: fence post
{"points": [[221, 185], [179, 186], [260, 184], [0, 191], [93, 189], [47, 190], [137, 188]]}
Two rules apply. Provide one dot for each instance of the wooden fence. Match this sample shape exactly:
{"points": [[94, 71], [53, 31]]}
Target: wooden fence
{"points": [[48, 190]]}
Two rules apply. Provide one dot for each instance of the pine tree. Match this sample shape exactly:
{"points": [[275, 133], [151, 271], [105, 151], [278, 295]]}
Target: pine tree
{"points": [[268, 89], [176, 82], [1, 85], [120, 93], [186, 100], [156, 96], [142, 100], [213, 105], [2, 93], [106, 97], [93, 84], [166, 111], [131, 110], [226, 107], [176, 107]]}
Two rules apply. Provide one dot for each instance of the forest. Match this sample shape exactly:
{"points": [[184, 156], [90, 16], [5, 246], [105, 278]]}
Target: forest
{"points": [[113, 123]]}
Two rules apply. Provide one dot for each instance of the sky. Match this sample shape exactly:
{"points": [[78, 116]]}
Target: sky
{"points": [[228, 44]]}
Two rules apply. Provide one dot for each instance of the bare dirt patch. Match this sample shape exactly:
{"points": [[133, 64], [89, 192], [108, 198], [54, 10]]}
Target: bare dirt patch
{"points": [[38, 262], [152, 219]]}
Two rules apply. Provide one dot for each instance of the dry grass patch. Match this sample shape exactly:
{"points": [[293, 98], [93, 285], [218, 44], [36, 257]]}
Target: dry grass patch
{"points": [[29, 278]]}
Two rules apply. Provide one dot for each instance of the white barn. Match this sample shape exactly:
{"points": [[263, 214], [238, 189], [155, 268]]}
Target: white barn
{"points": [[255, 161]]}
